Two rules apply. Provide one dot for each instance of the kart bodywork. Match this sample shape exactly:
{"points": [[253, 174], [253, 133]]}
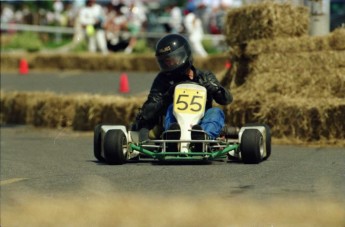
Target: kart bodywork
{"points": [[251, 143]]}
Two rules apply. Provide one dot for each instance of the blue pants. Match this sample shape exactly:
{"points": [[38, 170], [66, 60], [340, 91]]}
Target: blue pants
{"points": [[212, 122]]}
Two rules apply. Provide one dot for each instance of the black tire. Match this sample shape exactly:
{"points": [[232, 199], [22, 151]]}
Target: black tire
{"points": [[97, 143], [251, 144], [114, 143], [268, 138]]}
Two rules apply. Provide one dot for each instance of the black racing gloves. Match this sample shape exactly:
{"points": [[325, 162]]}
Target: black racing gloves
{"points": [[211, 86]]}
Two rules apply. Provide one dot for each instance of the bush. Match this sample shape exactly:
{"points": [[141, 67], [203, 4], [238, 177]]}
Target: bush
{"points": [[142, 47], [28, 41]]}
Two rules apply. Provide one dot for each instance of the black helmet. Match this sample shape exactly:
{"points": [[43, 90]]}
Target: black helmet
{"points": [[173, 54]]}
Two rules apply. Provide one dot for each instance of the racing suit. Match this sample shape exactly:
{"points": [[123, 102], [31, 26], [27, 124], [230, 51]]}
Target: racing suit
{"points": [[161, 97]]}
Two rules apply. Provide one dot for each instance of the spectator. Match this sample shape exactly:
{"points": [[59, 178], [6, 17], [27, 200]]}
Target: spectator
{"points": [[136, 18], [91, 17], [58, 8], [58, 18], [173, 19], [195, 33], [7, 13], [69, 15], [176, 19], [22, 14], [203, 11], [116, 28]]}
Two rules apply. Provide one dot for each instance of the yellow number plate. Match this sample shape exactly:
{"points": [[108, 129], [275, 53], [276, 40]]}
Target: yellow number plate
{"points": [[191, 101]]}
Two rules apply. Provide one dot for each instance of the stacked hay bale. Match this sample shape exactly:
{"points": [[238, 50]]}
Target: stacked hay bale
{"points": [[78, 111], [283, 77]]}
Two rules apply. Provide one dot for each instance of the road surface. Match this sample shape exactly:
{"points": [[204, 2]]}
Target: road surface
{"points": [[53, 161], [104, 83]]}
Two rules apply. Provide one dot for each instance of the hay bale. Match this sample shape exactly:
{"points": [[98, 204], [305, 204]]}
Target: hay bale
{"points": [[334, 41], [337, 39], [324, 65], [318, 85], [13, 108], [297, 63], [295, 85], [12, 63], [58, 61], [79, 111], [94, 62], [288, 45], [306, 119], [265, 21], [98, 62], [86, 61], [93, 110], [50, 110], [81, 120]]}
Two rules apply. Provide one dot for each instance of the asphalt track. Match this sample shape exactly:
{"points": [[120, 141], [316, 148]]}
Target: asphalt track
{"points": [[57, 161], [71, 82], [60, 162]]}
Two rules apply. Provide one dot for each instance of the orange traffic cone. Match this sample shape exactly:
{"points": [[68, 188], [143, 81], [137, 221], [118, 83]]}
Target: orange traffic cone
{"points": [[124, 85], [23, 67], [228, 64]]}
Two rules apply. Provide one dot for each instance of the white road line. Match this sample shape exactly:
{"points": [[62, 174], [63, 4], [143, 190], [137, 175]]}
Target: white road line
{"points": [[10, 181]]}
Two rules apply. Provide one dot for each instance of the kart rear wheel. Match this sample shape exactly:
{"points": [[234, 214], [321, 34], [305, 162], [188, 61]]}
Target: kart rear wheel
{"points": [[252, 146], [115, 147], [97, 143], [268, 138]]}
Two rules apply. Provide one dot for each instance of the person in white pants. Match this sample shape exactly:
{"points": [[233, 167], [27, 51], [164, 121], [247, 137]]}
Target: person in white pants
{"points": [[195, 33], [91, 17]]}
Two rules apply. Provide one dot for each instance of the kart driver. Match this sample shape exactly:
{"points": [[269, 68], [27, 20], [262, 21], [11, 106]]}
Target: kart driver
{"points": [[174, 57]]}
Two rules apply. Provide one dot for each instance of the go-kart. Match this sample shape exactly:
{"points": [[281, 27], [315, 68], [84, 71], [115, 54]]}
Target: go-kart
{"points": [[251, 143]]}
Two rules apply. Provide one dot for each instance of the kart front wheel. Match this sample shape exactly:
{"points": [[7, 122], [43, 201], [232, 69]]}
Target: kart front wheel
{"points": [[268, 138], [252, 146], [115, 147]]}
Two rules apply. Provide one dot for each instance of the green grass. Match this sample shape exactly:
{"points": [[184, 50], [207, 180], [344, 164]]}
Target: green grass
{"points": [[52, 44], [28, 41]]}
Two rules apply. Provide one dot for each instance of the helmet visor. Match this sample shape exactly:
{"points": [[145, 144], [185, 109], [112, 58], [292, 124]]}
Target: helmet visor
{"points": [[173, 60]]}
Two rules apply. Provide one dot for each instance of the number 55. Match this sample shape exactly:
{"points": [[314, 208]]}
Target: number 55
{"points": [[186, 102]]}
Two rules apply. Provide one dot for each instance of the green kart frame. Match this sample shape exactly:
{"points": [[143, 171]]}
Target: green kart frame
{"points": [[115, 146], [190, 155]]}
